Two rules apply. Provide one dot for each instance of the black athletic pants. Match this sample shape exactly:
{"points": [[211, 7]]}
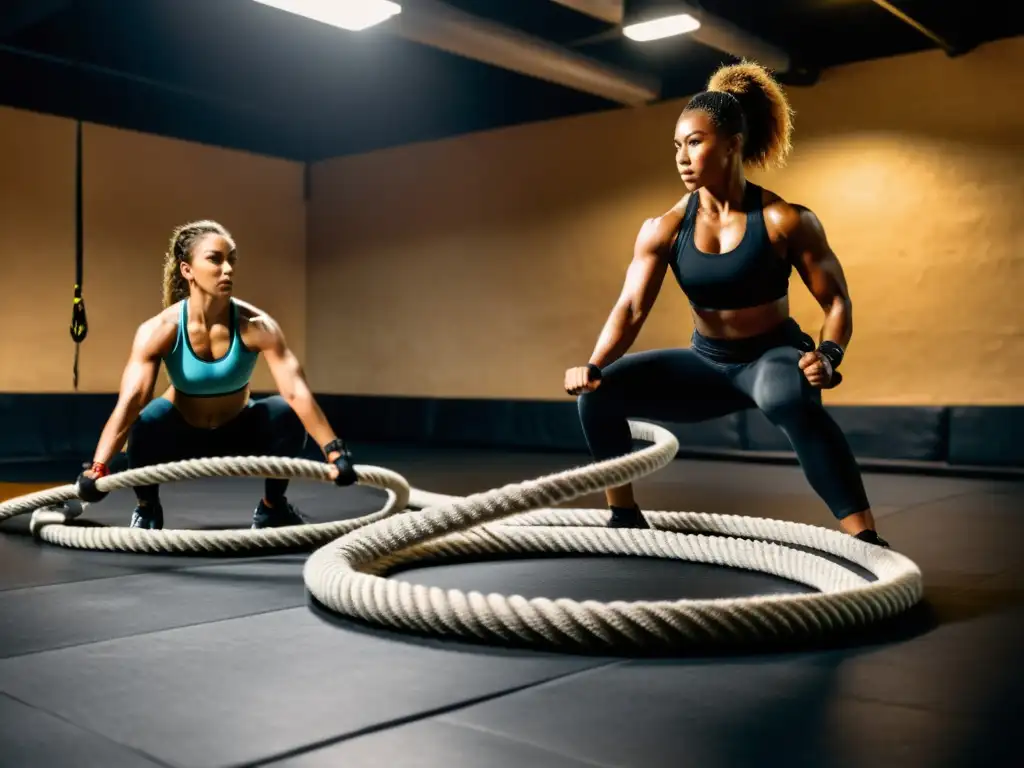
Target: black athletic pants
{"points": [[715, 377], [265, 427]]}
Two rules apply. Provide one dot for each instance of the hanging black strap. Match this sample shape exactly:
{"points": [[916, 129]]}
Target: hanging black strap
{"points": [[79, 323]]}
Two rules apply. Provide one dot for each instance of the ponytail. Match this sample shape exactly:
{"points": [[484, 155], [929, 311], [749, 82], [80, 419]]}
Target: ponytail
{"points": [[745, 99]]}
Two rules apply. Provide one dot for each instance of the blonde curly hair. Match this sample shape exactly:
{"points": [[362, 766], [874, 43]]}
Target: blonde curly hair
{"points": [[745, 99]]}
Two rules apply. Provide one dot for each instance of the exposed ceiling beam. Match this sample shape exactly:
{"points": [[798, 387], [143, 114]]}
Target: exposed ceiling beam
{"points": [[952, 48], [715, 32], [441, 26], [609, 11]]}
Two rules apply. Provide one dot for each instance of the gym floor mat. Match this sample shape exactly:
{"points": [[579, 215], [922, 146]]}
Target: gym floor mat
{"points": [[138, 660]]}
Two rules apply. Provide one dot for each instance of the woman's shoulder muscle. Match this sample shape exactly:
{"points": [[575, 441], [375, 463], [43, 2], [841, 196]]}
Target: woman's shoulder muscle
{"points": [[258, 329], [155, 337], [782, 217], [658, 233]]}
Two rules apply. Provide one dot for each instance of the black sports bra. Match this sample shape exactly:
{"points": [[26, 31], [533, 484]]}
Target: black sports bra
{"points": [[747, 276]]}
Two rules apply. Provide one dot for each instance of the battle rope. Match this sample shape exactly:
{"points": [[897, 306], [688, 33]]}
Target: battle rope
{"points": [[348, 574], [49, 523]]}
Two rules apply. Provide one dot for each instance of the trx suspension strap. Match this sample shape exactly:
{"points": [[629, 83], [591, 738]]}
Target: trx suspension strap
{"points": [[79, 323]]}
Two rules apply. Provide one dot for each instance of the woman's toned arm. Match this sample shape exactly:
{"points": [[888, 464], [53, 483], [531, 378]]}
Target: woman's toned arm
{"points": [[822, 273], [152, 340], [266, 335], [644, 278]]}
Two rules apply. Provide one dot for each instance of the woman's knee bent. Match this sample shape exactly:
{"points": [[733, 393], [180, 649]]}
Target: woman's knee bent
{"points": [[783, 394], [788, 400], [785, 409], [152, 435], [286, 432], [603, 419], [158, 411]]}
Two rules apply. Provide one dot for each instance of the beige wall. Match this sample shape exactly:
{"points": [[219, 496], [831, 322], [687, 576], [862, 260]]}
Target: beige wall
{"points": [[37, 247], [136, 188], [484, 265]]}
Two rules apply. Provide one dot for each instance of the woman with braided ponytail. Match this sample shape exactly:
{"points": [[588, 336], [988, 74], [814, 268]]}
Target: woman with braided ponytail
{"points": [[731, 246], [209, 342]]}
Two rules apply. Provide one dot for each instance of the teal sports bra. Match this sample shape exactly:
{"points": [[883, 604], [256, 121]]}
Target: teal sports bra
{"points": [[195, 377]]}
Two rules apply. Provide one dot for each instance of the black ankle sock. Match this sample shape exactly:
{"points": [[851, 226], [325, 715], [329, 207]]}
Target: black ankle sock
{"points": [[628, 517], [625, 514], [274, 489], [871, 537], [148, 496]]}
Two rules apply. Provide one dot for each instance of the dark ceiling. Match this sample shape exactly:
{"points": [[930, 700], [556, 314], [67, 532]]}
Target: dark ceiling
{"points": [[237, 73]]}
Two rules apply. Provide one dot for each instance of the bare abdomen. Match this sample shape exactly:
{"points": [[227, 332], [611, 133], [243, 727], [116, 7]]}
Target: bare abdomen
{"points": [[740, 323], [208, 412]]}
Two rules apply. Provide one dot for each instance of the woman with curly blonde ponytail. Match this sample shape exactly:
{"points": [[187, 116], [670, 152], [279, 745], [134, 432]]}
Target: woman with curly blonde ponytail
{"points": [[731, 246], [209, 343]]}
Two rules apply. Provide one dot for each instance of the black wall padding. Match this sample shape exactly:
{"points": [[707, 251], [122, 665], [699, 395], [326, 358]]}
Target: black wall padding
{"points": [[52, 426], [977, 436], [464, 422], [987, 435], [903, 433], [62, 427]]}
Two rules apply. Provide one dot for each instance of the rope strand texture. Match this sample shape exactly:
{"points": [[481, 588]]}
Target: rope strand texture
{"points": [[348, 572], [51, 525]]}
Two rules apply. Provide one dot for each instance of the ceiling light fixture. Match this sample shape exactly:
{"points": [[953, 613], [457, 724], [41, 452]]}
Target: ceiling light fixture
{"points": [[656, 29], [354, 15], [645, 20]]}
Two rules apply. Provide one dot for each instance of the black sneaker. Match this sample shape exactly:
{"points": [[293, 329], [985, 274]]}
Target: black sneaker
{"points": [[871, 537], [623, 517], [149, 516], [281, 514]]}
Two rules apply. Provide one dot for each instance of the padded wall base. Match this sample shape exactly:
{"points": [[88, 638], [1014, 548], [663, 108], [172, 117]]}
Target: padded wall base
{"points": [[65, 427]]}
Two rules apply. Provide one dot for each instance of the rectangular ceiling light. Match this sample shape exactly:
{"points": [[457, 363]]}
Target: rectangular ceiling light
{"points": [[666, 26], [347, 14]]}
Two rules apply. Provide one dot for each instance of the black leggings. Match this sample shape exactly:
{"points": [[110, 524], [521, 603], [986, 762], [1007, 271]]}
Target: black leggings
{"points": [[715, 378], [267, 427]]}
